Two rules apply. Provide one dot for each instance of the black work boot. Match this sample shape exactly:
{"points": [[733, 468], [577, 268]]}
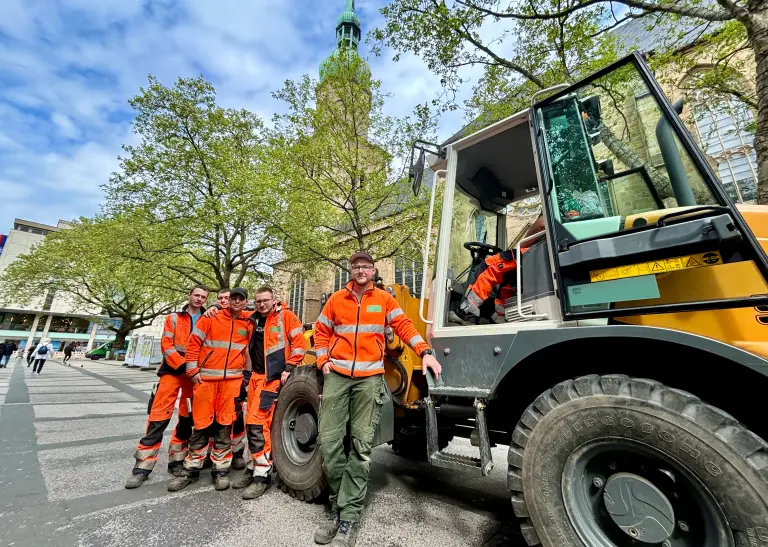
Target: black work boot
{"points": [[325, 533], [176, 469], [135, 481], [347, 534], [180, 483], [255, 490], [244, 480], [238, 462], [221, 482]]}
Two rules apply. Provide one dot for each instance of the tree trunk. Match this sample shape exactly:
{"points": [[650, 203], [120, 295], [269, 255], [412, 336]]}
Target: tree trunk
{"points": [[120, 337], [757, 30]]}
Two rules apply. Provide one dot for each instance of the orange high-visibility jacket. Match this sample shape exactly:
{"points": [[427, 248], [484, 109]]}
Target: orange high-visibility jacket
{"points": [[174, 341], [216, 346], [283, 341], [350, 333]]}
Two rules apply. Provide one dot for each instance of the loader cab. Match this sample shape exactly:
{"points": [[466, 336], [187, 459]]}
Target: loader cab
{"points": [[636, 220]]}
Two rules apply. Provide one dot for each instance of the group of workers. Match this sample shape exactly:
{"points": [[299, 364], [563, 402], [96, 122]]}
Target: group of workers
{"points": [[214, 356]]}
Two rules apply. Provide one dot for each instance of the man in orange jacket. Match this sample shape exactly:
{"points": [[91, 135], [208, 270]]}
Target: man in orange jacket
{"points": [[214, 361], [350, 344], [495, 280], [276, 348], [173, 379]]}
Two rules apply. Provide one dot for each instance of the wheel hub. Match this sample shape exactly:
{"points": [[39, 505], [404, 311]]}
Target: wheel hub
{"points": [[305, 428], [639, 508]]}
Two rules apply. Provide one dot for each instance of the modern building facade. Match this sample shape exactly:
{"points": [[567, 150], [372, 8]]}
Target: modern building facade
{"points": [[50, 315]]}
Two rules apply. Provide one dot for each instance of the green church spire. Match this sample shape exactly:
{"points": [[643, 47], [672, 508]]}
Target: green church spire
{"points": [[348, 36]]}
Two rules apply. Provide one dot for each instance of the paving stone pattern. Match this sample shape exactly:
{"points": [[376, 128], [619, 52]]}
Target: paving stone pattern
{"points": [[66, 443]]}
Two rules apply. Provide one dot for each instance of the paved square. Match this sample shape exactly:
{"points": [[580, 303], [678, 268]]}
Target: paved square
{"points": [[66, 445]]}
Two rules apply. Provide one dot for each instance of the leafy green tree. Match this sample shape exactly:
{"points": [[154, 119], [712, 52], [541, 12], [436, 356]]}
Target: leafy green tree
{"points": [[195, 185], [525, 45], [81, 264], [342, 164]]}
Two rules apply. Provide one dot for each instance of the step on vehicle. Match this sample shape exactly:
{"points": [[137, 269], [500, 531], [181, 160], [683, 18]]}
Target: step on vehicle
{"points": [[628, 369]]}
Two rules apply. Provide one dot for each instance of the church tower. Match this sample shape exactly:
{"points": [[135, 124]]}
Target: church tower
{"points": [[345, 59]]}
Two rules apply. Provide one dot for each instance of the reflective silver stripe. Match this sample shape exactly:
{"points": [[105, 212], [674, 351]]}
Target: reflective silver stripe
{"points": [[280, 345], [473, 297], [190, 365], [147, 465], [144, 453], [394, 313], [297, 351], [325, 321], [321, 351], [359, 365], [223, 344], [295, 332], [219, 373], [169, 352], [349, 329], [415, 340], [168, 334], [174, 320], [197, 332]]}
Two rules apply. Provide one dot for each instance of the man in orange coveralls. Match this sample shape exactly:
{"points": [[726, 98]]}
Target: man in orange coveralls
{"points": [[276, 348], [172, 379], [215, 361], [495, 279]]}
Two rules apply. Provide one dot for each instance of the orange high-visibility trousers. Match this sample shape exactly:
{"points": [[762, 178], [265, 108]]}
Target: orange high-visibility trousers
{"points": [[492, 275], [160, 415], [213, 411], [262, 396]]}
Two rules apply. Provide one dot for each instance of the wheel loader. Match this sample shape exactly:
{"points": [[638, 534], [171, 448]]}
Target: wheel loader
{"points": [[629, 368]]}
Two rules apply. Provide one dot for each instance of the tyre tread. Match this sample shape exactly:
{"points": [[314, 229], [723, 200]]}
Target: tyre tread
{"points": [[744, 442]]}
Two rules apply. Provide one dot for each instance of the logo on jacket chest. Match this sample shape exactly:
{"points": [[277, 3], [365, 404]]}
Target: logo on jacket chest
{"points": [[375, 308], [242, 332]]}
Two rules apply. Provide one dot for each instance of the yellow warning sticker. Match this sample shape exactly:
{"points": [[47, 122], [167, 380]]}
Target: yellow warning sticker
{"points": [[657, 266]]}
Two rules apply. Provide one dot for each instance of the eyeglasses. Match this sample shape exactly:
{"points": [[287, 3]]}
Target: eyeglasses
{"points": [[361, 268], [263, 301]]}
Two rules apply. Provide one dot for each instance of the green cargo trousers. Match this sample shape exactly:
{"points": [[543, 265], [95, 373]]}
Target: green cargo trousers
{"points": [[358, 401]]}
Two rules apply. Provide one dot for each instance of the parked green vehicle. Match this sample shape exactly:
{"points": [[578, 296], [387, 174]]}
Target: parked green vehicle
{"points": [[103, 350]]}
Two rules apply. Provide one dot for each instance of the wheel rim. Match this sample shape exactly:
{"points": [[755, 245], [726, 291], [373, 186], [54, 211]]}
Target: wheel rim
{"points": [[626, 493], [299, 431]]}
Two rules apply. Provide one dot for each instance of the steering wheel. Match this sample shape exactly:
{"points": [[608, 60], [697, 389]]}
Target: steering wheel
{"points": [[481, 250]]}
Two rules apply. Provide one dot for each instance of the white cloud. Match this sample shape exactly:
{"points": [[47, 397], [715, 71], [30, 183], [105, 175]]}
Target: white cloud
{"points": [[70, 66]]}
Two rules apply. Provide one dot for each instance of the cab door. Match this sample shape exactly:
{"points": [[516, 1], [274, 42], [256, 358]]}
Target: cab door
{"points": [[639, 222]]}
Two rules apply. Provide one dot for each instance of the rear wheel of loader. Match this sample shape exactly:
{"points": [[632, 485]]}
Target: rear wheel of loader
{"points": [[613, 461], [295, 450]]}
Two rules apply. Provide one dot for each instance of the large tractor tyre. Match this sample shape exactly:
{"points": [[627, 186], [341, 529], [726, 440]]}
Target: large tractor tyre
{"points": [[295, 450], [609, 461]]}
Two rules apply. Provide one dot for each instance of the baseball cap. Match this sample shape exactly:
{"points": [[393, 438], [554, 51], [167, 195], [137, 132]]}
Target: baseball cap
{"points": [[358, 255], [239, 291]]}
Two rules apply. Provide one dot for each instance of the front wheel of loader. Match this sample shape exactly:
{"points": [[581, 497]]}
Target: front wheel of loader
{"points": [[613, 461], [295, 449]]}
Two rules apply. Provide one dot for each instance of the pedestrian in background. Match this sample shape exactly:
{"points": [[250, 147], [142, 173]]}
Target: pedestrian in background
{"points": [[10, 347], [349, 341], [31, 352], [2, 353], [68, 351], [43, 350]]}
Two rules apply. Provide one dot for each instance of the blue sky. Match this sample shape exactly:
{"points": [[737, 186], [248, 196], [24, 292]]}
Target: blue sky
{"points": [[69, 67]]}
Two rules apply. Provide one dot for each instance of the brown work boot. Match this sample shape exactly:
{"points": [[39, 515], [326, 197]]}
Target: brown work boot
{"points": [[238, 462], [255, 490], [244, 480], [221, 482], [180, 483], [325, 533], [135, 481], [347, 534]]}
